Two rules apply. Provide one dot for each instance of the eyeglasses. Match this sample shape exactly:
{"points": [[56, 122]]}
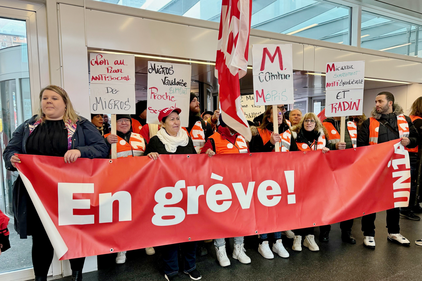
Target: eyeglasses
{"points": [[123, 120], [309, 121]]}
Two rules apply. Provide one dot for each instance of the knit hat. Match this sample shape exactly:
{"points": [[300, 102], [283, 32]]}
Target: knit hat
{"points": [[192, 96], [120, 116]]}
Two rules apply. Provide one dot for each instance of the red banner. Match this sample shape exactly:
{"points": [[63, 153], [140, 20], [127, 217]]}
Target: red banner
{"points": [[180, 198]]}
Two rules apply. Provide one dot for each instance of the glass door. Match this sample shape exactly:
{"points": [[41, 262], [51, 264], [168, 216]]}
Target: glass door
{"points": [[15, 107]]}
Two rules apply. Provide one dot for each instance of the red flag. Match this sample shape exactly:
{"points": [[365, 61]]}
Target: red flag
{"points": [[321, 115], [232, 61]]}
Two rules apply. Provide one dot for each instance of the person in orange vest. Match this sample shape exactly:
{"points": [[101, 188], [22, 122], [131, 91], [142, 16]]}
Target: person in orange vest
{"points": [[310, 135], [414, 155], [416, 117], [387, 123], [198, 129], [332, 126], [129, 144], [227, 141], [265, 141]]}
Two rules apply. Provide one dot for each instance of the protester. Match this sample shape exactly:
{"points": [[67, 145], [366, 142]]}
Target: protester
{"points": [[258, 119], [295, 116], [198, 129], [387, 123], [98, 121], [206, 115], [416, 169], [332, 126], [213, 119], [128, 144], [414, 155], [309, 135], [227, 141], [141, 112], [56, 131], [4, 233], [171, 139], [265, 142], [106, 121]]}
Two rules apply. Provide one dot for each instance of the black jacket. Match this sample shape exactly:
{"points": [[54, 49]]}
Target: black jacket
{"points": [[385, 134], [257, 145]]}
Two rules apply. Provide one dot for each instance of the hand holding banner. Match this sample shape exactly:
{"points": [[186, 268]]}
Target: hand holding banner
{"points": [[314, 189]]}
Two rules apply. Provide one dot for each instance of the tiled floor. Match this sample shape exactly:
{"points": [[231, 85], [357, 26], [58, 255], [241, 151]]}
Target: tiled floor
{"points": [[335, 261]]}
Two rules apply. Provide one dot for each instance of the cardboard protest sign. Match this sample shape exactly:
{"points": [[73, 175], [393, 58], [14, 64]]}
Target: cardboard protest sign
{"points": [[168, 86], [249, 108], [344, 88], [273, 74], [112, 83]]}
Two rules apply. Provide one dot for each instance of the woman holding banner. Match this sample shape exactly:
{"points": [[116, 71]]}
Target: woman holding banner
{"points": [[171, 139], [227, 141], [265, 142], [309, 135], [56, 131]]}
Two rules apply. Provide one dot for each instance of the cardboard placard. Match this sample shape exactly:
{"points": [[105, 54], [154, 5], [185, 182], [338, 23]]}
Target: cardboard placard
{"points": [[344, 88], [112, 83], [273, 74], [168, 86], [249, 108]]}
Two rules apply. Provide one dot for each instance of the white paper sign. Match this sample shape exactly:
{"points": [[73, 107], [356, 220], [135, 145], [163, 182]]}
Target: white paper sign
{"points": [[249, 108], [273, 74], [112, 83], [168, 86], [112, 98], [344, 86]]}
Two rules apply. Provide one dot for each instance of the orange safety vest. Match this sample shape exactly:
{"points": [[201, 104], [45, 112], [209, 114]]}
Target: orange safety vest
{"points": [[223, 146], [197, 135], [334, 136], [136, 146], [285, 140], [374, 126], [136, 126], [320, 143], [415, 149]]}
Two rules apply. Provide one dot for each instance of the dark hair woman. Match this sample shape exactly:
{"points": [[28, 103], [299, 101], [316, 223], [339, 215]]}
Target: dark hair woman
{"points": [[56, 131], [265, 141]]}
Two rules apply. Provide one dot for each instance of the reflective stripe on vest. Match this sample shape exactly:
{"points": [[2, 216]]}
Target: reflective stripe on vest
{"points": [[124, 149], [198, 136], [415, 149], [223, 146], [334, 136], [285, 140], [374, 126]]}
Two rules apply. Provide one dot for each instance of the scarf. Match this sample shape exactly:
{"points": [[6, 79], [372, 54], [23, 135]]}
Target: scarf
{"points": [[171, 143]]}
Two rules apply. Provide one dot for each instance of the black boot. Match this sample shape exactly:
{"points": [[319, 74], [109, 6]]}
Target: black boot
{"points": [[40, 278], [76, 275], [347, 237]]}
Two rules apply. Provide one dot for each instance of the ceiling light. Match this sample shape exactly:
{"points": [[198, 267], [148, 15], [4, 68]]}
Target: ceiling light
{"points": [[302, 29], [398, 46]]}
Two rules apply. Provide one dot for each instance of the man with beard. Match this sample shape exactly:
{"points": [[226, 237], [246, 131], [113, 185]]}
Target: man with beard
{"points": [[387, 123], [198, 129]]}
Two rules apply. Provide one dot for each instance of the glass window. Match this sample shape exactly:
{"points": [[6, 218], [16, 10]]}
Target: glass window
{"points": [[390, 35], [321, 20], [15, 107]]}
